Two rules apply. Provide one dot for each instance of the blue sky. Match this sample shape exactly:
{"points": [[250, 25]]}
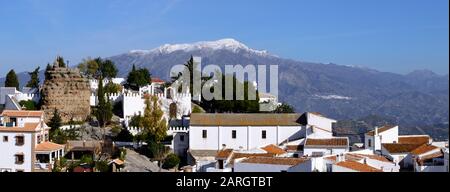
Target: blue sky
{"points": [[388, 35]]}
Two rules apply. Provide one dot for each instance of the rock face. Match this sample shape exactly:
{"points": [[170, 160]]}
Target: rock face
{"points": [[67, 91]]}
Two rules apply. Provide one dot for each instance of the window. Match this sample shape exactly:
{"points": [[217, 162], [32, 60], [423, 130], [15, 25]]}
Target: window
{"points": [[264, 134], [19, 159], [38, 139], [5, 138], [370, 143], [19, 140], [20, 170], [233, 134], [181, 137], [204, 134]]}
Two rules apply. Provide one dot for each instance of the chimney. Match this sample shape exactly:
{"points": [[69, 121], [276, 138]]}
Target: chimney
{"points": [[84, 143], [376, 130]]}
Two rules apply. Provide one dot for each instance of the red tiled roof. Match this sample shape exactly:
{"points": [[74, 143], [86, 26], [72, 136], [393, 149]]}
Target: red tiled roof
{"points": [[274, 160], [224, 154], [48, 146], [223, 119], [416, 139], [424, 149], [15, 113], [400, 148], [247, 155], [293, 147], [430, 156], [157, 80], [273, 149], [29, 127], [357, 166], [327, 142], [381, 129]]}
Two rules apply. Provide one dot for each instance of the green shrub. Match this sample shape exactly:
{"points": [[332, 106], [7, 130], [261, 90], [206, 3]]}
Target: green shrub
{"points": [[171, 161]]}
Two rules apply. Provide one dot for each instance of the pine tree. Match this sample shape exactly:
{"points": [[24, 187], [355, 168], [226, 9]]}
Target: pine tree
{"points": [[34, 79], [11, 80], [138, 78]]}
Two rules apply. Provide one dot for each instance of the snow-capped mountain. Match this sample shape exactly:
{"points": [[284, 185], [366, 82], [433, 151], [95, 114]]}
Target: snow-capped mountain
{"points": [[223, 44]]}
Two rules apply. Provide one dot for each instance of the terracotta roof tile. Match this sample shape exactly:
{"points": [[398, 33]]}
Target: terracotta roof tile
{"points": [[421, 160], [381, 129], [247, 155], [224, 154], [357, 166], [293, 147], [424, 149], [15, 113], [273, 149], [157, 80], [205, 119], [417, 139], [274, 160], [48, 146], [29, 127], [327, 142], [399, 148]]}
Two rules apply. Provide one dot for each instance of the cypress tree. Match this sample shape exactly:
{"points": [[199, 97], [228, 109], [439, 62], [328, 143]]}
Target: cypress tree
{"points": [[11, 80]]}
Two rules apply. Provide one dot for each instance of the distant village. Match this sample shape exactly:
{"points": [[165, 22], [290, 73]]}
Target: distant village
{"points": [[85, 119]]}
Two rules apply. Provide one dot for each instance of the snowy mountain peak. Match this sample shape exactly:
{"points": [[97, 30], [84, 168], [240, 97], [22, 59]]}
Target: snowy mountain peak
{"points": [[222, 44]]}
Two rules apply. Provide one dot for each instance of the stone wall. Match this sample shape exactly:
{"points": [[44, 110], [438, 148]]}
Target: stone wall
{"points": [[67, 91]]}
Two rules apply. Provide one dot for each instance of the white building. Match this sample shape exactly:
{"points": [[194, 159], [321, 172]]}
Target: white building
{"points": [[317, 147], [272, 164], [386, 134], [428, 158], [24, 142], [242, 131]]}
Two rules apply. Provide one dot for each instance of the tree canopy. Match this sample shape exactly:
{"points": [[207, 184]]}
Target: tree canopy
{"points": [[11, 80], [34, 79], [138, 78]]}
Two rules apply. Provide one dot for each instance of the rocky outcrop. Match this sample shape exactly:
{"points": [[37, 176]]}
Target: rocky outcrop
{"points": [[67, 91]]}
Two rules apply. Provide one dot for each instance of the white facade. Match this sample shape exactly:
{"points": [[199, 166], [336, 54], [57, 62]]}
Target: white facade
{"points": [[374, 142], [247, 137], [325, 150], [9, 150], [24, 142]]}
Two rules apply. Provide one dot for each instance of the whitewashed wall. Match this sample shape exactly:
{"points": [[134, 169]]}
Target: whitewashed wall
{"points": [[9, 149]]}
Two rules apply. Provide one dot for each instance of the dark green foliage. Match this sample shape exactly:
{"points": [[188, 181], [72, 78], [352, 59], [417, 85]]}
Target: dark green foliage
{"points": [[171, 161], [60, 62], [124, 136], [34, 79], [138, 78], [235, 106], [284, 108], [55, 122], [136, 121], [118, 109], [112, 88], [11, 80], [102, 166], [87, 159], [104, 109], [28, 105]]}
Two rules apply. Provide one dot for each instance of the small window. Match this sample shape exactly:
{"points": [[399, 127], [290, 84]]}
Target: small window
{"points": [[39, 139], [264, 134], [5, 138], [20, 170], [370, 143], [204, 134], [181, 137], [233, 134], [19, 159], [19, 140]]}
